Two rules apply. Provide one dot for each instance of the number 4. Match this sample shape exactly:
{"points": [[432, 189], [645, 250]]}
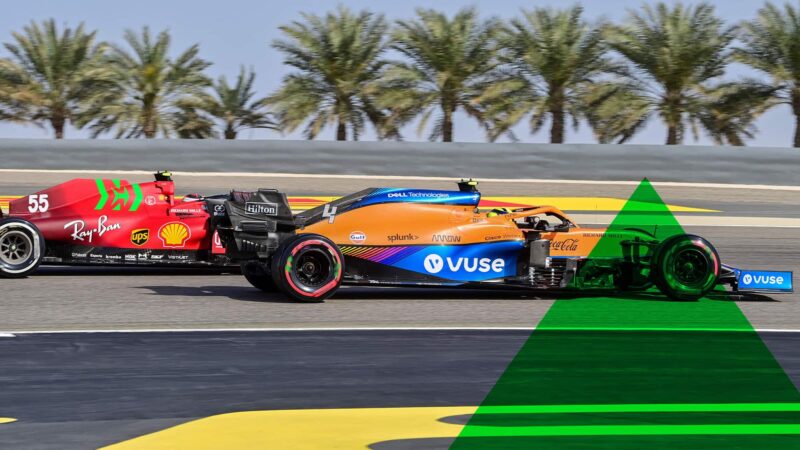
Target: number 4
{"points": [[38, 203], [329, 213]]}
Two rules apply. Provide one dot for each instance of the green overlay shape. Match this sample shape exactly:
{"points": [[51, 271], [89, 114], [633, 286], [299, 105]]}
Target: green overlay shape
{"points": [[638, 371]]}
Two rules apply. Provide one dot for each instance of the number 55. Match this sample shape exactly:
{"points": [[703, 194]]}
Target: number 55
{"points": [[38, 203]]}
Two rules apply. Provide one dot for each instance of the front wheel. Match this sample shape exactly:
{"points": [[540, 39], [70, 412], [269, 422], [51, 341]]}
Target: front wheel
{"points": [[21, 248], [685, 267], [308, 268]]}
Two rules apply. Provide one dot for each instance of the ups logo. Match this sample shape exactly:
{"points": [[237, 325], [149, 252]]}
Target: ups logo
{"points": [[140, 237]]}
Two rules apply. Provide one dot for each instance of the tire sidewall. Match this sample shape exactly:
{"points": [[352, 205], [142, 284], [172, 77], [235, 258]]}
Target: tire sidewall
{"points": [[665, 259], [283, 264], [256, 274], [34, 260]]}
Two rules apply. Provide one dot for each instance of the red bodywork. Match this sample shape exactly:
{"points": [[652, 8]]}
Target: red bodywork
{"points": [[100, 220]]}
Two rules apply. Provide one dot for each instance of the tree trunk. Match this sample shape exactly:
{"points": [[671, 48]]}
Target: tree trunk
{"points": [[447, 125], [341, 131], [557, 129], [672, 134], [796, 110], [673, 116], [58, 126], [148, 117], [230, 133], [557, 114], [797, 130]]}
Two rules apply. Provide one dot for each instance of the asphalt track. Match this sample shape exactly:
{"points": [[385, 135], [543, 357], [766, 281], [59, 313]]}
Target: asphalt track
{"points": [[78, 391], [64, 299], [87, 390], [80, 298]]}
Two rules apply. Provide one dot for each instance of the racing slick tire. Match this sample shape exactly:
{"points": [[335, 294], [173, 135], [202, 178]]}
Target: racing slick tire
{"points": [[21, 248], [308, 268], [256, 274], [685, 267]]}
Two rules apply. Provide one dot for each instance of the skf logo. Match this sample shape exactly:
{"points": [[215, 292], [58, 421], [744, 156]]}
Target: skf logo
{"points": [[140, 237], [174, 234]]}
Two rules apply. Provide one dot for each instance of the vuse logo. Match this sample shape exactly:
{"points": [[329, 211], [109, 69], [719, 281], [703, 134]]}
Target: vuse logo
{"points": [[434, 263]]}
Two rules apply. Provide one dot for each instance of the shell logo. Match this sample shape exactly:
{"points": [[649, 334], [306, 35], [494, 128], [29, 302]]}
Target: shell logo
{"points": [[174, 234]]}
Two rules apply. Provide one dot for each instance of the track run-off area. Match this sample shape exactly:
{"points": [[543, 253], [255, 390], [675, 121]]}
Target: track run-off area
{"points": [[149, 358]]}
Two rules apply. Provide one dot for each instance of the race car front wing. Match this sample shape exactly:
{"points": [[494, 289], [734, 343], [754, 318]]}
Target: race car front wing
{"points": [[757, 281]]}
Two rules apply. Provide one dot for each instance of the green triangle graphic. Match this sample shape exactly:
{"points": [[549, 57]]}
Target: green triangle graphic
{"points": [[639, 371]]}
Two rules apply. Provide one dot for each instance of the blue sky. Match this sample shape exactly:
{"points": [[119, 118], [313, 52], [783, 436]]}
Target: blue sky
{"points": [[238, 32]]}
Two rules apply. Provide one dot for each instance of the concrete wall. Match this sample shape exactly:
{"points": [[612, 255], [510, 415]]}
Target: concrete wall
{"points": [[745, 165]]}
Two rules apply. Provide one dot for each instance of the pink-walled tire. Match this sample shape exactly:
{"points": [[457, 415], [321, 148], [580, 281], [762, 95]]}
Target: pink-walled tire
{"points": [[308, 268]]}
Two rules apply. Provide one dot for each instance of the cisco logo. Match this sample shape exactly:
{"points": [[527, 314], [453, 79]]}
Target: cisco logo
{"points": [[434, 263]]}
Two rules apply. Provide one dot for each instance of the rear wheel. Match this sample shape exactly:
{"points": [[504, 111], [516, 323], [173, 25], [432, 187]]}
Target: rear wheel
{"points": [[256, 273], [21, 248], [686, 267], [308, 268]]}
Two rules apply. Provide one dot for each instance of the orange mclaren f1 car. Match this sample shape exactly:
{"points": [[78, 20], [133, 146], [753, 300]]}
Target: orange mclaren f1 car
{"points": [[402, 237]]}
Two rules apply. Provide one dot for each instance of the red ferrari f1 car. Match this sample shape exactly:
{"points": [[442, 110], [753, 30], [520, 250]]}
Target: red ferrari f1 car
{"points": [[378, 236]]}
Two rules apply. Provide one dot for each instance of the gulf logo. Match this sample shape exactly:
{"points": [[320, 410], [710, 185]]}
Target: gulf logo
{"points": [[358, 237], [174, 234]]}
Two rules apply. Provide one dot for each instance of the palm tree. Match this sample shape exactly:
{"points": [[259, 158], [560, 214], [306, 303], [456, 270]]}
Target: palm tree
{"points": [[191, 121], [152, 89], [559, 58], [727, 111], [452, 66], [338, 59], [51, 75], [675, 56], [235, 106], [772, 45]]}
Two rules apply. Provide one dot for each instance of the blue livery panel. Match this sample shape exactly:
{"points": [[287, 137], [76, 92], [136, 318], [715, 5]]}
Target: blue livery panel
{"points": [[400, 195], [473, 262], [764, 280]]}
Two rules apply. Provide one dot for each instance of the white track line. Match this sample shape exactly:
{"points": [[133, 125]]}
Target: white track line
{"points": [[322, 329], [412, 178]]}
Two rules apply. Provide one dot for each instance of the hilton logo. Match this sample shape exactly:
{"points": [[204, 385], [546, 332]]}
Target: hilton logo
{"points": [[267, 209]]}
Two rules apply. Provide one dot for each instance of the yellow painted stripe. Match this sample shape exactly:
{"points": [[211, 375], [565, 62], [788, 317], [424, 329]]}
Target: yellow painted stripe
{"points": [[303, 429], [362, 428], [605, 204], [7, 420]]}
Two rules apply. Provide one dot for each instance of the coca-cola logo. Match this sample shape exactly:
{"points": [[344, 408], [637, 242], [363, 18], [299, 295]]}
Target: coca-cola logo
{"points": [[567, 245]]}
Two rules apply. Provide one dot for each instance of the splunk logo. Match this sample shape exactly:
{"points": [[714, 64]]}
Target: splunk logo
{"points": [[434, 263]]}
